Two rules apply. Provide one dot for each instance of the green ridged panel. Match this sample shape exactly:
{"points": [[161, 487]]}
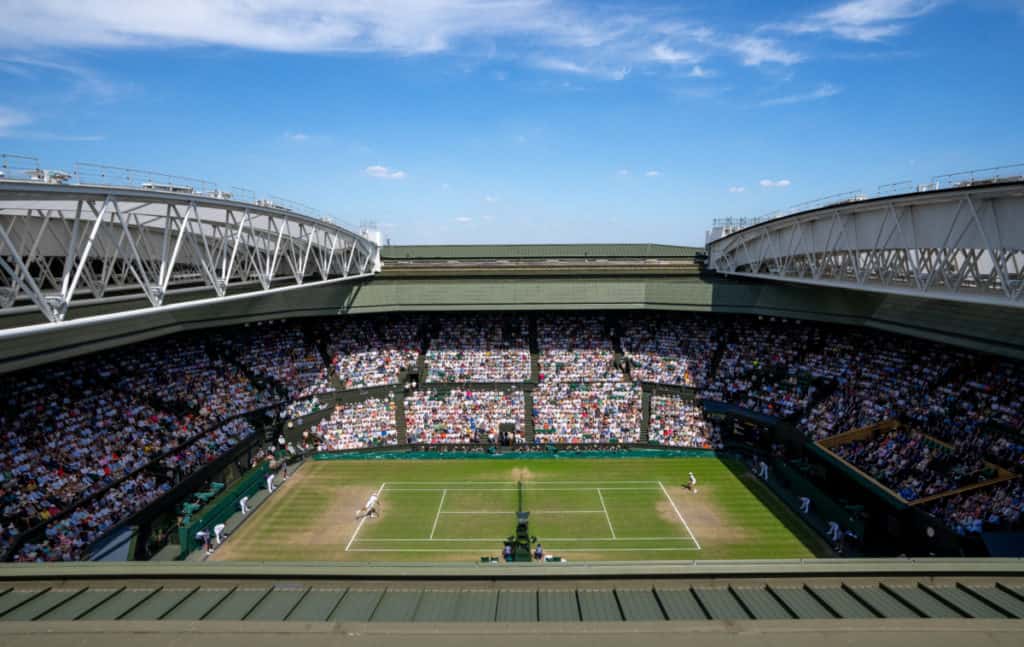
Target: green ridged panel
{"points": [[679, 604], [923, 602], [277, 605], [237, 605], [599, 606], [517, 606], [640, 605], [965, 602], [720, 604], [841, 602], [761, 604], [557, 606], [198, 605], [120, 604], [887, 605], [80, 604], [397, 606], [39, 605], [356, 606], [801, 603], [317, 605]]}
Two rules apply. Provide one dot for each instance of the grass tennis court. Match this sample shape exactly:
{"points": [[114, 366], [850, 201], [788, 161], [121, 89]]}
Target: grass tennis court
{"points": [[581, 509]]}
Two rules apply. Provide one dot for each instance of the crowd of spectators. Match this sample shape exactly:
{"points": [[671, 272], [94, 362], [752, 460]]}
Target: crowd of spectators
{"points": [[479, 348], [67, 433], [760, 368], [461, 416], [356, 425], [978, 411], [371, 351], [279, 351], [576, 349], [69, 538], [681, 423], [877, 379], [670, 350], [912, 464], [586, 412], [184, 373], [301, 408], [998, 507]]}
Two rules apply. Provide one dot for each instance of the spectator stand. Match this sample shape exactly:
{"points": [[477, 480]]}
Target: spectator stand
{"points": [[176, 491], [414, 404], [831, 447]]}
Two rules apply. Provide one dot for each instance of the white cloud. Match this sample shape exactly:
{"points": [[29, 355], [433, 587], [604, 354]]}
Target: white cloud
{"points": [[463, 219], [296, 137], [663, 53], [755, 50], [490, 198], [84, 81], [11, 118], [653, 173], [862, 20], [823, 91], [774, 184], [384, 173], [622, 172], [736, 189], [557, 35], [698, 72], [571, 67]]}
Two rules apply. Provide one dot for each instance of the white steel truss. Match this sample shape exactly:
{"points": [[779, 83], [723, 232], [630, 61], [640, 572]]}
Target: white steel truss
{"points": [[963, 245], [61, 244]]}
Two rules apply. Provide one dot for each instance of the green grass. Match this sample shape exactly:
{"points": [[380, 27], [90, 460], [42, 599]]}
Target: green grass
{"points": [[583, 509]]}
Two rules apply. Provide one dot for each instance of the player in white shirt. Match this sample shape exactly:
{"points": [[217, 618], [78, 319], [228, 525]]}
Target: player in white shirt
{"points": [[218, 532], [693, 483], [370, 509], [243, 503]]}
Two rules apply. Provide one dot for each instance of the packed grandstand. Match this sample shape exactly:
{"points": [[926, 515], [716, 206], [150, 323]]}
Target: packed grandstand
{"points": [[89, 442]]}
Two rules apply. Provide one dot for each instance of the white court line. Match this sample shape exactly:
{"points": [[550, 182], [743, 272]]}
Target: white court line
{"points": [[531, 512], [450, 483], [619, 550], [441, 539], [680, 515], [491, 548], [438, 515], [605, 508], [653, 488], [361, 521]]}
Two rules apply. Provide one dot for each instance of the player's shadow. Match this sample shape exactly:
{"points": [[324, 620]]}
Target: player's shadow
{"points": [[786, 515]]}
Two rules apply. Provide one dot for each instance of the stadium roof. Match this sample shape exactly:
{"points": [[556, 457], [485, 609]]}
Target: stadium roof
{"points": [[467, 252]]}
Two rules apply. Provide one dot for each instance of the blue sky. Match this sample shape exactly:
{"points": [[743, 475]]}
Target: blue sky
{"points": [[465, 121]]}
